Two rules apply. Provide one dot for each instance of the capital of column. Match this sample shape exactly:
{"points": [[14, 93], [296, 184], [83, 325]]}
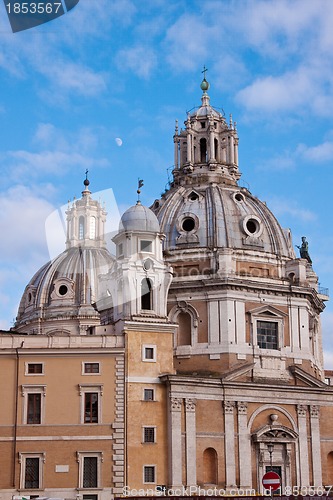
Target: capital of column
{"points": [[314, 411], [176, 403], [229, 406], [242, 407], [301, 410], [190, 404]]}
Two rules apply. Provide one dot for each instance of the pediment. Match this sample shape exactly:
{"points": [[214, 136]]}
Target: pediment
{"points": [[267, 311], [238, 372], [274, 432], [305, 378]]}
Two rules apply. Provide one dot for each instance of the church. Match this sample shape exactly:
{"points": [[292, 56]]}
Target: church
{"points": [[190, 360]]}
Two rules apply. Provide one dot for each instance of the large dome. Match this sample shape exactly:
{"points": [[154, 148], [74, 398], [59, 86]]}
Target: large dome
{"points": [[60, 295], [217, 216]]}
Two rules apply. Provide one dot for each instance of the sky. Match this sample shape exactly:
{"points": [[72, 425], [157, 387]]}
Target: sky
{"points": [[100, 89]]}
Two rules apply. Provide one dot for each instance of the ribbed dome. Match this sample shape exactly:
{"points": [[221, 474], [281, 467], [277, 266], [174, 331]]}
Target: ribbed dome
{"points": [[139, 218], [219, 216], [64, 287]]}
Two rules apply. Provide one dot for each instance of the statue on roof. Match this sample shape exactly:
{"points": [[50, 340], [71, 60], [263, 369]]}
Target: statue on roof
{"points": [[304, 250]]}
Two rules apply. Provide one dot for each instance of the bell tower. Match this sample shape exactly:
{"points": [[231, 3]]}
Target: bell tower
{"points": [[208, 146], [85, 221]]}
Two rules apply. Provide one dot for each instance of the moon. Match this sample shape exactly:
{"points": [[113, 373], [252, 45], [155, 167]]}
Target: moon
{"points": [[118, 141]]}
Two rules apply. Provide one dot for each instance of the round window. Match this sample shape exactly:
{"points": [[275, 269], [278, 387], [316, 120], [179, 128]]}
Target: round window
{"points": [[147, 264], [188, 224], [63, 290], [239, 197], [252, 226]]}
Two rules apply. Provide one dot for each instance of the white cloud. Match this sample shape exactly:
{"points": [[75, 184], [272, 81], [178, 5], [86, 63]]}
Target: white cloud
{"points": [[284, 206], [188, 42], [285, 92], [23, 216], [320, 153], [49, 162], [140, 60], [57, 151]]}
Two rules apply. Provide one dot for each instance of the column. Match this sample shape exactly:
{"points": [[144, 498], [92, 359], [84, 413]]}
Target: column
{"points": [[315, 446], [303, 446], [175, 442], [236, 151], [244, 446], [191, 454], [211, 156], [229, 443], [231, 150], [189, 142]]}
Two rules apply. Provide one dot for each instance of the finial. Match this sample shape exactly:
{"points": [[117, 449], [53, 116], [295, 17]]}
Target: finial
{"points": [[140, 184], [86, 181], [204, 84]]}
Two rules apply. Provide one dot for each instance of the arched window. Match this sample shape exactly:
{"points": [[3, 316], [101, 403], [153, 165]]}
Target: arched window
{"points": [[210, 466], [81, 228], [203, 150], [329, 468], [216, 149], [185, 328], [146, 295], [92, 232]]}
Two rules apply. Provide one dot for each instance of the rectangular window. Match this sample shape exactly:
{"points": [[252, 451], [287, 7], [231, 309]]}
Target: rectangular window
{"points": [[149, 353], [34, 408], [267, 334], [91, 407], [91, 368], [149, 474], [90, 473], [149, 434], [35, 368], [31, 477], [148, 394], [146, 246]]}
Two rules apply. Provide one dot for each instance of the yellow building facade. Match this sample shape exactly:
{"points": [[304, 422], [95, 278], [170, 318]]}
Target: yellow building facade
{"points": [[190, 360]]}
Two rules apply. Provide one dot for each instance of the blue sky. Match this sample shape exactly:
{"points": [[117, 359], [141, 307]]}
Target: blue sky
{"points": [[127, 70]]}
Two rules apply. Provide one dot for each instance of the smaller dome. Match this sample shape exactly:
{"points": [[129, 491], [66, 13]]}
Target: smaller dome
{"points": [[139, 218]]}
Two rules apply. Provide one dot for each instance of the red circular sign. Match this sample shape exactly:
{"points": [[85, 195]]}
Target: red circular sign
{"points": [[271, 481]]}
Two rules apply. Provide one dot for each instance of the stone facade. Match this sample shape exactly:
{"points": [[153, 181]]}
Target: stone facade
{"points": [[194, 360]]}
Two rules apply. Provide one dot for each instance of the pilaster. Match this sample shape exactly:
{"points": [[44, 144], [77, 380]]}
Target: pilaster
{"points": [[303, 446], [244, 446], [175, 442], [191, 455], [229, 442], [315, 445]]}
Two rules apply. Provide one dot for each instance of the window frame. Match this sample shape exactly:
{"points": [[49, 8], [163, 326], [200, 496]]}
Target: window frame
{"points": [[90, 388], [84, 363], [271, 315], [31, 363], [80, 456], [272, 332], [144, 394], [153, 466], [143, 353], [23, 456], [147, 429], [141, 250], [33, 389]]}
